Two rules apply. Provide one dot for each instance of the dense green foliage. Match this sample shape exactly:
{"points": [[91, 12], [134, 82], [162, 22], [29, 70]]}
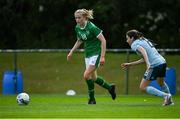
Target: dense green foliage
{"points": [[61, 106], [50, 23]]}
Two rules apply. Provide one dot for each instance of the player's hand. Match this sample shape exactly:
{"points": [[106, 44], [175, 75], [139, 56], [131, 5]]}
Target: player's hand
{"points": [[69, 56], [102, 60], [124, 66]]}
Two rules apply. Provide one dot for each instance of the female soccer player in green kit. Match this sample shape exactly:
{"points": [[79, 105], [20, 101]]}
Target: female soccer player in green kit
{"points": [[95, 50]]}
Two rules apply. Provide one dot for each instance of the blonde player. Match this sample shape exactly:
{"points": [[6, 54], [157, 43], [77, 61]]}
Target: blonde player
{"points": [[95, 50]]}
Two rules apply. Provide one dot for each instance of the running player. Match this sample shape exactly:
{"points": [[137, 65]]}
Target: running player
{"points": [[95, 49], [155, 65]]}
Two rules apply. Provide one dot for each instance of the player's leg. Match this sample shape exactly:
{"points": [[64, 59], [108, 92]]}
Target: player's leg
{"points": [[94, 75], [160, 79], [163, 85], [168, 99], [100, 80], [161, 74], [94, 62], [150, 75], [153, 91], [91, 65], [90, 82], [144, 86]]}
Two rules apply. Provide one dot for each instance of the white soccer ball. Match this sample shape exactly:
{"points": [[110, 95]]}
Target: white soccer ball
{"points": [[70, 93], [23, 99]]}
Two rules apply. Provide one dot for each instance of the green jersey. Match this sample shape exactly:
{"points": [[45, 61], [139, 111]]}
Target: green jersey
{"points": [[88, 35]]}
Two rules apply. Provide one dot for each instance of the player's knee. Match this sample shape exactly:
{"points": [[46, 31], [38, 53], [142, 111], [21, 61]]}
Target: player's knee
{"points": [[142, 88], [86, 76]]}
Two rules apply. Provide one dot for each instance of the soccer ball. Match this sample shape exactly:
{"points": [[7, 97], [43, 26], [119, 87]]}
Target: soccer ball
{"points": [[23, 99], [70, 93]]}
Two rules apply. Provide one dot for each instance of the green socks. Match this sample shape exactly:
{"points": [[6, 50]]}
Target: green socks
{"points": [[90, 84], [100, 81]]}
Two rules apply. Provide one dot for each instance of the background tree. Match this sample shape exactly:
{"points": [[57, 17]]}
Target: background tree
{"points": [[50, 23]]}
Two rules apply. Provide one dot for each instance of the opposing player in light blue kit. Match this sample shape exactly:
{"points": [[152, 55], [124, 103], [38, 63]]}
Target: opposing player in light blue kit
{"points": [[95, 50], [155, 65]]}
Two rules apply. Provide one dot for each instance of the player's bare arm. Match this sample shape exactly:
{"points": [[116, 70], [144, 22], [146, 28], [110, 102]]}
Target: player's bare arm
{"points": [[76, 45], [126, 65], [103, 48], [144, 54]]}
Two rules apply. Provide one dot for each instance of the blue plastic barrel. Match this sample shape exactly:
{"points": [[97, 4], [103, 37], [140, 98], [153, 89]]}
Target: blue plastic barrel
{"points": [[12, 83], [170, 80]]}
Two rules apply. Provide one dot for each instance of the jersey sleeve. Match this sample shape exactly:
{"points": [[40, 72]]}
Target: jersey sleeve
{"points": [[135, 46], [95, 30]]}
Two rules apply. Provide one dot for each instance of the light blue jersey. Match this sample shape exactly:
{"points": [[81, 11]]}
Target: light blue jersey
{"points": [[154, 57]]}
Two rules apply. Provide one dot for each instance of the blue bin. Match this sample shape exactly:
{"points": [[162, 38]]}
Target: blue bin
{"points": [[170, 80], [12, 84]]}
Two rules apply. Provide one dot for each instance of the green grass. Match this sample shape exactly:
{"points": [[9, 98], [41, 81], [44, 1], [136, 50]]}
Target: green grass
{"points": [[62, 106], [51, 73], [48, 74]]}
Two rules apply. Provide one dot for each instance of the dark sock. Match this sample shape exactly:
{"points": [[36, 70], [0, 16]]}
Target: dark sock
{"points": [[90, 84], [100, 81]]}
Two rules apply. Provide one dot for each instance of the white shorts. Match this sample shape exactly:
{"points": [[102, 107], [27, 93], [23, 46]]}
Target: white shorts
{"points": [[94, 61]]}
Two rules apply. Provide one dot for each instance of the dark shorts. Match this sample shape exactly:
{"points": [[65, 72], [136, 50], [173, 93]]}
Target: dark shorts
{"points": [[153, 73]]}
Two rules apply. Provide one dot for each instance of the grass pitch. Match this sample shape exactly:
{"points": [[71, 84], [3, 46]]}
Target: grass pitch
{"points": [[51, 70], [61, 106]]}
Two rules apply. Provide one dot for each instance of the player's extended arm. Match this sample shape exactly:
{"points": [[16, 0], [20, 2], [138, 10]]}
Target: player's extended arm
{"points": [[142, 60], [126, 65], [103, 48], [76, 45]]}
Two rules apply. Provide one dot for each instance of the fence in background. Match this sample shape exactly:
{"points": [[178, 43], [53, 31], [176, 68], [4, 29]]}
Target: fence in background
{"points": [[127, 51]]}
